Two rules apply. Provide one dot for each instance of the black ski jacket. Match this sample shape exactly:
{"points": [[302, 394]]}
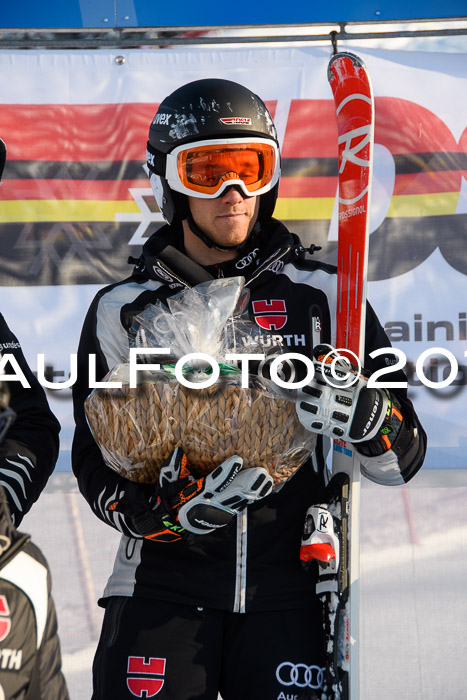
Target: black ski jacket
{"points": [[29, 452], [30, 659], [253, 563]]}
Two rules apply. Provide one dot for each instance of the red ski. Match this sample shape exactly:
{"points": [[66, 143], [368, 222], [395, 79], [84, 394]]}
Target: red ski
{"points": [[332, 530], [355, 121], [354, 102]]}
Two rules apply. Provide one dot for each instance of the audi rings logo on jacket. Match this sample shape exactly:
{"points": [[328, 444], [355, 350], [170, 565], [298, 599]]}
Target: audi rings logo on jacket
{"points": [[300, 675], [247, 260]]}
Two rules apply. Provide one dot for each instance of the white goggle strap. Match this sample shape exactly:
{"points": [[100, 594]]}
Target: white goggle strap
{"points": [[156, 161]]}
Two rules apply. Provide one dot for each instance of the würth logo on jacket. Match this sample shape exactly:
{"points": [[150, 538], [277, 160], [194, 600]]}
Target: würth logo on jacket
{"points": [[5, 619], [145, 681], [270, 314]]}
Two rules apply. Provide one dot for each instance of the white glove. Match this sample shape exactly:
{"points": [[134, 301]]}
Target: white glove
{"points": [[203, 505], [353, 413]]}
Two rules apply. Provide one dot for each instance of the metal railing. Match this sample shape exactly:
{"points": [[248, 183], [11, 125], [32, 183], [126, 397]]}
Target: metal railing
{"points": [[136, 37]]}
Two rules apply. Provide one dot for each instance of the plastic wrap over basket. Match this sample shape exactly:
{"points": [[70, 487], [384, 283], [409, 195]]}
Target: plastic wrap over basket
{"points": [[138, 428]]}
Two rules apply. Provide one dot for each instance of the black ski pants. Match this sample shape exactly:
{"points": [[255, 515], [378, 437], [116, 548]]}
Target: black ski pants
{"points": [[168, 651]]}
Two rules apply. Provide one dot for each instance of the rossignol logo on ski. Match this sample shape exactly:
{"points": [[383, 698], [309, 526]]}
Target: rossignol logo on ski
{"points": [[323, 521], [354, 155], [144, 677], [355, 211], [355, 150]]}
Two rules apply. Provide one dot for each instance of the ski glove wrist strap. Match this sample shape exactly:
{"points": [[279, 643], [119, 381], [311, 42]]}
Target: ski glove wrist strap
{"points": [[388, 431]]}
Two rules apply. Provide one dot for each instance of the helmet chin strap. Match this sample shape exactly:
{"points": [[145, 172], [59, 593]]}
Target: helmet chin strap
{"points": [[209, 243]]}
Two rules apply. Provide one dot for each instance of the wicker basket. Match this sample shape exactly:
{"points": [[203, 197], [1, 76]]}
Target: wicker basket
{"points": [[137, 429]]}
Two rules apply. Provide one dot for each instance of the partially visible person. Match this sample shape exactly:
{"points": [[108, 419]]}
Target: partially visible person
{"points": [[30, 667], [30, 660], [29, 452], [30, 449]]}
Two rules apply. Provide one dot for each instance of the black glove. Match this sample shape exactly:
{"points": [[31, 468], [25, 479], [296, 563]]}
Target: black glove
{"points": [[184, 505]]}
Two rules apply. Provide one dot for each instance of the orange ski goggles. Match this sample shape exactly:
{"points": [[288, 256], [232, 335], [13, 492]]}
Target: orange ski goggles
{"points": [[205, 169]]}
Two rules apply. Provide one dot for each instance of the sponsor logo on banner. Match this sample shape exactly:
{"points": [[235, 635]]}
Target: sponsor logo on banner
{"points": [[270, 314], [144, 677]]}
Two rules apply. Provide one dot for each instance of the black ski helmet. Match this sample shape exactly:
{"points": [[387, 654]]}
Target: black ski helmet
{"points": [[210, 108]]}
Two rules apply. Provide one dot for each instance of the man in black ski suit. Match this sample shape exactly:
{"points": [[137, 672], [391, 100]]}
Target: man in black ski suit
{"points": [[228, 610]]}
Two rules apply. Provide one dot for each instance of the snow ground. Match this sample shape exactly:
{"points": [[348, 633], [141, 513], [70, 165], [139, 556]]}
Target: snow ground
{"points": [[413, 574]]}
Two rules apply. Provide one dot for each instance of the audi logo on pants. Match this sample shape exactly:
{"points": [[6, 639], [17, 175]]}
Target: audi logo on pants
{"points": [[300, 675]]}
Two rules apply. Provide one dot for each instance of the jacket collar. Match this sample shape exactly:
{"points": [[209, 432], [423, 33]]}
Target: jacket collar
{"points": [[272, 242]]}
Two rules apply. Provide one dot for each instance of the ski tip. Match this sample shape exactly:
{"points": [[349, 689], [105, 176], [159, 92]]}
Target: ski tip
{"points": [[356, 60]]}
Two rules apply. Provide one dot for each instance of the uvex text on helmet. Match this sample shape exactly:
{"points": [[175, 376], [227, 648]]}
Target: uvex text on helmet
{"points": [[203, 110]]}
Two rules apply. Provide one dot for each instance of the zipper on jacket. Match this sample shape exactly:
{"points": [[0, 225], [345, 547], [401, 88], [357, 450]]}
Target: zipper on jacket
{"points": [[242, 518], [240, 564]]}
